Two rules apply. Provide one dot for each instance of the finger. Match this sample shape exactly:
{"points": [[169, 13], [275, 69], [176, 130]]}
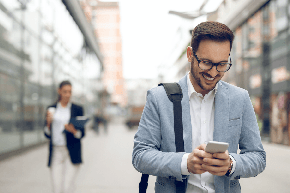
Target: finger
{"points": [[214, 168], [224, 155], [197, 160], [192, 160], [203, 154], [196, 169], [215, 162], [201, 147]]}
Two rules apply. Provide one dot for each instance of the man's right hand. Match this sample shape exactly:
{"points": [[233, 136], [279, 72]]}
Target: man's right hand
{"points": [[48, 119], [195, 159]]}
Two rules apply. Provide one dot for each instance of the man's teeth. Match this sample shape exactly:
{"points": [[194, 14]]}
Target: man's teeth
{"points": [[207, 77]]}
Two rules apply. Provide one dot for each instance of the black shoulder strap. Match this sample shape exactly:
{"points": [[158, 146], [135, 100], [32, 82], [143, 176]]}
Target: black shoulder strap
{"points": [[174, 94], [173, 91], [144, 183]]}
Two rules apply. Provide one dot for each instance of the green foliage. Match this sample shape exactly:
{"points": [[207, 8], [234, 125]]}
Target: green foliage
{"points": [[260, 122]]}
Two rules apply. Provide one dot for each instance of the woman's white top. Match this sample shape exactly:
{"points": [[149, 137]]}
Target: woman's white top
{"points": [[60, 118]]}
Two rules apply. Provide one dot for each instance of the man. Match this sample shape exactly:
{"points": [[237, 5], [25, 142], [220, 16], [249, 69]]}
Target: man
{"points": [[212, 110]]}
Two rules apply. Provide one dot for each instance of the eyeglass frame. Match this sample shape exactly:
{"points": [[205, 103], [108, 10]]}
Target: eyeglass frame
{"points": [[212, 63]]}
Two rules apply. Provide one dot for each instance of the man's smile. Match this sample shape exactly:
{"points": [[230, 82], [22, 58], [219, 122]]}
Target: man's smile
{"points": [[211, 79]]}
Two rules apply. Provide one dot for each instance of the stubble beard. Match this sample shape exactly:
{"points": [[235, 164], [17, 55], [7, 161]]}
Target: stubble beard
{"points": [[197, 79]]}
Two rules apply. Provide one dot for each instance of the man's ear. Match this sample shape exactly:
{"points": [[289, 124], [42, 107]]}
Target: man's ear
{"points": [[189, 54]]}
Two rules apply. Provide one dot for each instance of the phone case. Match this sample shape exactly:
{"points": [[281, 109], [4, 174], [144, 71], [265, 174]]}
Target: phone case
{"points": [[216, 147]]}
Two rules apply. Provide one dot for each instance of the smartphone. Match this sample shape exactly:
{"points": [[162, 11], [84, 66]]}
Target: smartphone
{"points": [[216, 147]]}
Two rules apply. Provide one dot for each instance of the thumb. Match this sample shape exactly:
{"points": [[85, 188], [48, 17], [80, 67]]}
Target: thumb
{"points": [[201, 147]]}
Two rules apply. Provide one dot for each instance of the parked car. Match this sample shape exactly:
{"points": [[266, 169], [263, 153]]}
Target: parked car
{"points": [[134, 116]]}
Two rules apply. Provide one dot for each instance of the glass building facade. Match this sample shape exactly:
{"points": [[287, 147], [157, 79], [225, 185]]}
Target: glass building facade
{"points": [[40, 46], [261, 65]]}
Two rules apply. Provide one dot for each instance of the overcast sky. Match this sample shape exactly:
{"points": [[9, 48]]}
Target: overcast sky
{"points": [[146, 30]]}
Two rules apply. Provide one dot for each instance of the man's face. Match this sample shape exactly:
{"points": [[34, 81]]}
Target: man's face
{"points": [[204, 81]]}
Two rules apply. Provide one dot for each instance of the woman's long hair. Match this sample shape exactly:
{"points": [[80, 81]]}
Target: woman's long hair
{"points": [[63, 83]]}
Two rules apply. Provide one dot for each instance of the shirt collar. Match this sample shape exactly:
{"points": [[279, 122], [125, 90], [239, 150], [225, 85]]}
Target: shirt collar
{"points": [[191, 89]]}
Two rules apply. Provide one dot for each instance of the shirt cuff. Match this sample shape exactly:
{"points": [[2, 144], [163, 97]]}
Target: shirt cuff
{"points": [[234, 164], [78, 134], [184, 170], [46, 130]]}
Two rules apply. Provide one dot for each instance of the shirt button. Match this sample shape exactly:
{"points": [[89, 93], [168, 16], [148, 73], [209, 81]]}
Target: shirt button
{"points": [[204, 122]]}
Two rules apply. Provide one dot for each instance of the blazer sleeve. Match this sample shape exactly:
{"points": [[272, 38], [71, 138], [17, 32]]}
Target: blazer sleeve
{"points": [[147, 157], [252, 158]]}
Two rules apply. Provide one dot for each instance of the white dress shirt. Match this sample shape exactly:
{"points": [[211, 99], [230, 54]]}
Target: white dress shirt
{"points": [[202, 121], [60, 118]]}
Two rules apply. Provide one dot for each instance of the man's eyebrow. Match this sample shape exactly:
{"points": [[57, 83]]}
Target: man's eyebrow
{"points": [[211, 60]]}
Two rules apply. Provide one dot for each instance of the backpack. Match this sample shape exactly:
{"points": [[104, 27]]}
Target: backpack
{"points": [[174, 94]]}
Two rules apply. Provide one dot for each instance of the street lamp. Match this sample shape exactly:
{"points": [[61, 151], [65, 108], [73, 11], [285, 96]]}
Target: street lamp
{"points": [[192, 15]]}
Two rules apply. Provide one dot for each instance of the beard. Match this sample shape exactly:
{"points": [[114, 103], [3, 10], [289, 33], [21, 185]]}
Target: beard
{"points": [[196, 76]]}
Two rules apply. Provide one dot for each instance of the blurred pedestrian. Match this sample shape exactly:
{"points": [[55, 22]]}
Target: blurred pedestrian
{"points": [[65, 140], [100, 117]]}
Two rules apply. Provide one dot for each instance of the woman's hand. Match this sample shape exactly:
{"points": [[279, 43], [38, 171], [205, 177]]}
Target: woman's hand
{"points": [[48, 119], [70, 128]]}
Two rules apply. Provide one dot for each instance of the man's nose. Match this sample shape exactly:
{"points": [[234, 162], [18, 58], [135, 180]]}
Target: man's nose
{"points": [[213, 71]]}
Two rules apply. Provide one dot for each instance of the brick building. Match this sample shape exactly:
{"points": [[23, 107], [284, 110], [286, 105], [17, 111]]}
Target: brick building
{"points": [[106, 21]]}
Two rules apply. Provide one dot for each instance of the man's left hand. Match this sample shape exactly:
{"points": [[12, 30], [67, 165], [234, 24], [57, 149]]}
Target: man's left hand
{"points": [[70, 128], [218, 165]]}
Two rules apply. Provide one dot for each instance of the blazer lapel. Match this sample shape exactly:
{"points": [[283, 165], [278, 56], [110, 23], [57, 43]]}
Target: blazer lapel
{"points": [[221, 113], [221, 119], [186, 120], [72, 112]]}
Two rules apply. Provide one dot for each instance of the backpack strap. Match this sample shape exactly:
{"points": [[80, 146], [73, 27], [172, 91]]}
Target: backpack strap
{"points": [[174, 94], [144, 183]]}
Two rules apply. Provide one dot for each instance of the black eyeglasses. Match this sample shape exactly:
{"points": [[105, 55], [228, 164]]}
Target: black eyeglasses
{"points": [[207, 65]]}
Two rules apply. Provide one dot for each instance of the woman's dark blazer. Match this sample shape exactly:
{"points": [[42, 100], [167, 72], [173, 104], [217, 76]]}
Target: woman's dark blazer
{"points": [[73, 144]]}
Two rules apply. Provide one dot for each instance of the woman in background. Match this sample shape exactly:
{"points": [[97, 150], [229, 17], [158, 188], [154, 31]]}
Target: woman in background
{"points": [[65, 140]]}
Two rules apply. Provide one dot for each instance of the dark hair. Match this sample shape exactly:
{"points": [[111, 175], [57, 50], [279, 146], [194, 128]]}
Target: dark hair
{"points": [[63, 83], [211, 30]]}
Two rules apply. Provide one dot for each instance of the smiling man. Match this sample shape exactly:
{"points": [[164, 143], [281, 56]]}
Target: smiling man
{"points": [[212, 110]]}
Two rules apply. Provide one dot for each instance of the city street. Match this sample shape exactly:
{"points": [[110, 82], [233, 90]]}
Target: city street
{"points": [[107, 167]]}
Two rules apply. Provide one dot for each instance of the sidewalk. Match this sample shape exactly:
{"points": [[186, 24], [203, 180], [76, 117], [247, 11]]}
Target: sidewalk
{"points": [[107, 167], [276, 176]]}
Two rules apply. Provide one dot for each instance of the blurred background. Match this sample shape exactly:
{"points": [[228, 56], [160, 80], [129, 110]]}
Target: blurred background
{"points": [[113, 52]]}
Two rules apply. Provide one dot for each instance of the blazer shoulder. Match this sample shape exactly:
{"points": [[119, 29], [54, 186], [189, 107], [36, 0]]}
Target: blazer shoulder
{"points": [[158, 92], [76, 106]]}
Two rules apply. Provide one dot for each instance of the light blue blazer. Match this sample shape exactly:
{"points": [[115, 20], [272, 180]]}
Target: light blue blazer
{"points": [[234, 122]]}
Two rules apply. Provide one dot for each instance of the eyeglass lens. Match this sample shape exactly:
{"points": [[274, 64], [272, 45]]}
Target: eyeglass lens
{"points": [[222, 67]]}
